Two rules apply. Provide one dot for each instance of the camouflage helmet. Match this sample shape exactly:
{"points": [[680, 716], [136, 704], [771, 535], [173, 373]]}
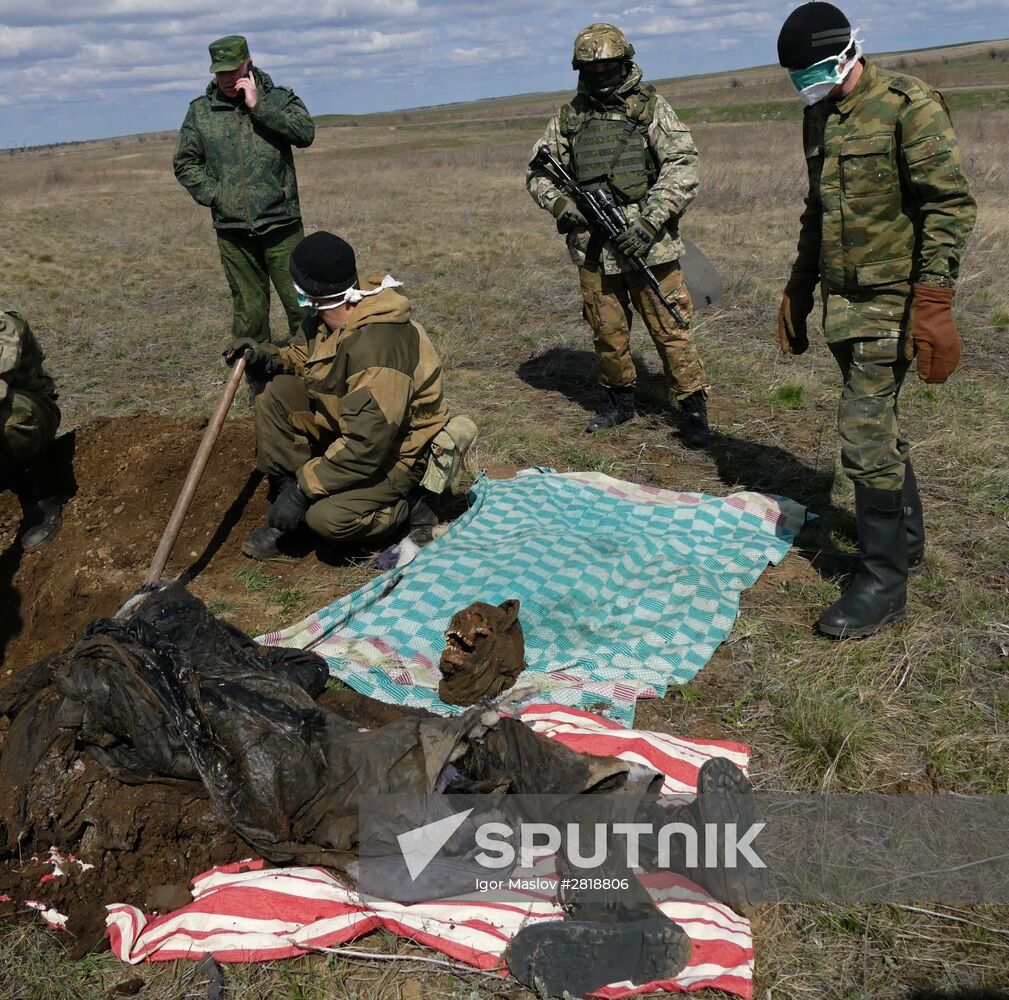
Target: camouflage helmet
{"points": [[598, 42]]}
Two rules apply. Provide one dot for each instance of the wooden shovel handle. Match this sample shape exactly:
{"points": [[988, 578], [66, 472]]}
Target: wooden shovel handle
{"points": [[196, 470]]}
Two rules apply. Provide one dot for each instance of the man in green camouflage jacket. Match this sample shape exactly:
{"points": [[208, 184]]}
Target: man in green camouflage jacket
{"points": [[885, 222], [29, 418], [619, 135], [234, 156], [353, 412]]}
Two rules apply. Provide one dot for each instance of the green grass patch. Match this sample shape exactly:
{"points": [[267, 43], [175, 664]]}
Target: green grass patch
{"points": [[790, 396], [977, 100], [828, 734], [254, 579], [291, 598]]}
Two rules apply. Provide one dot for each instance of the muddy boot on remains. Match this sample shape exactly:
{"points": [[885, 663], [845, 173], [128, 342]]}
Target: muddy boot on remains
{"points": [[618, 410], [608, 936], [724, 797], [694, 420]]}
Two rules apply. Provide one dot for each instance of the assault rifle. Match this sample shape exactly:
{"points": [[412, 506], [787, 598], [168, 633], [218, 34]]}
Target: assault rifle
{"points": [[605, 218]]}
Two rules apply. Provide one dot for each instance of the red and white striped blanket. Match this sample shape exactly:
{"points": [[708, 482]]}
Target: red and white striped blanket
{"points": [[247, 913]]}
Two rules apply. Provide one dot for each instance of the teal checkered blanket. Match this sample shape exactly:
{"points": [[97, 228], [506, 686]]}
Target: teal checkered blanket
{"points": [[624, 590]]}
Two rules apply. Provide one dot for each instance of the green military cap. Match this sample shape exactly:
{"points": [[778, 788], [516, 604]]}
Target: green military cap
{"points": [[228, 53]]}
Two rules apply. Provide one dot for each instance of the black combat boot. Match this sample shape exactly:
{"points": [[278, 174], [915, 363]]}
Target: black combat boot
{"points": [[609, 935], [878, 594], [42, 486], [41, 520], [694, 420], [261, 542], [619, 409], [914, 521], [423, 519]]}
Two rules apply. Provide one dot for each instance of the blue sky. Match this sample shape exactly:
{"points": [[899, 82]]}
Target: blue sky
{"points": [[89, 69]]}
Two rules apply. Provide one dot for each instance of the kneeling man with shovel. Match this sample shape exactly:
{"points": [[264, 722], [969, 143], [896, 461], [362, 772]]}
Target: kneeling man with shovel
{"points": [[352, 430]]}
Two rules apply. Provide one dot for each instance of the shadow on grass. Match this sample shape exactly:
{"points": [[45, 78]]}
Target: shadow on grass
{"points": [[575, 374], [766, 468]]}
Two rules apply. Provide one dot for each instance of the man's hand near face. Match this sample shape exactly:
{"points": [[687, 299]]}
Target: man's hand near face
{"points": [[246, 86]]}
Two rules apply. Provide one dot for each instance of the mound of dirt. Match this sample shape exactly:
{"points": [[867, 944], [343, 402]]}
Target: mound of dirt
{"points": [[142, 845], [129, 471], [149, 840]]}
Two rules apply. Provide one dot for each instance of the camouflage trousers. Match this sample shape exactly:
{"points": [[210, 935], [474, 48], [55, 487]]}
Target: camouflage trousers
{"points": [[251, 262], [287, 436], [606, 306], [28, 425], [872, 449]]}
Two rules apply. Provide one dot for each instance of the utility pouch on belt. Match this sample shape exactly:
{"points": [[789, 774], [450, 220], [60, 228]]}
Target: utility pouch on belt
{"points": [[448, 450]]}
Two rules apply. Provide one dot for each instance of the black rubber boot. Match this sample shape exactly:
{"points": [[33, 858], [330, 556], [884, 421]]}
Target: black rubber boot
{"points": [[41, 520], [914, 521], [694, 420], [619, 409], [878, 594], [423, 519], [261, 543]]}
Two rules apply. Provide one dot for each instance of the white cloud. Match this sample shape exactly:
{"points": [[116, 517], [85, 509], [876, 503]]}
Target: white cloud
{"points": [[98, 67]]}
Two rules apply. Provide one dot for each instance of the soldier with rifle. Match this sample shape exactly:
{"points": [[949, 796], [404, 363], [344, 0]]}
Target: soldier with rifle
{"points": [[620, 154]]}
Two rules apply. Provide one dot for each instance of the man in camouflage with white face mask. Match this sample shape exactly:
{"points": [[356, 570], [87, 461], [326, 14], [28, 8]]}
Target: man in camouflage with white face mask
{"points": [[620, 136], [887, 216]]}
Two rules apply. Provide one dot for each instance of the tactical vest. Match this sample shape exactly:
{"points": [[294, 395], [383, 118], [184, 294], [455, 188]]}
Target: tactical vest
{"points": [[609, 148]]}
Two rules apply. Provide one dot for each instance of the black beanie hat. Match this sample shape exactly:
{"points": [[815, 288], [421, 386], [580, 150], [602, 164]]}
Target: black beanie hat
{"points": [[812, 32], [323, 265]]}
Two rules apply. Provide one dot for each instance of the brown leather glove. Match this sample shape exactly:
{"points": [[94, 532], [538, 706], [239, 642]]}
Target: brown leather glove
{"points": [[796, 305], [933, 331]]}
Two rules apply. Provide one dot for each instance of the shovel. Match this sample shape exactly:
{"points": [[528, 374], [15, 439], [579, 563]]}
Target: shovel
{"points": [[196, 470]]}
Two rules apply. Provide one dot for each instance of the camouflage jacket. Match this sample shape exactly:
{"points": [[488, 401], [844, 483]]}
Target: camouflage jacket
{"points": [[239, 162], [675, 156], [21, 358], [888, 203], [376, 385]]}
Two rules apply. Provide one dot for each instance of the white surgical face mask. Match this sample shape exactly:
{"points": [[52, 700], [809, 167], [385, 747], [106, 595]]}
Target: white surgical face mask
{"points": [[350, 295], [814, 83]]}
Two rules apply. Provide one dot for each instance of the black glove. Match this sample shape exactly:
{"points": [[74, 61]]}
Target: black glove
{"points": [[289, 508], [637, 239], [259, 360], [567, 215]]}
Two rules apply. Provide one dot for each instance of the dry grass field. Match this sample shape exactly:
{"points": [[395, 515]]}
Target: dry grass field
{"points": [[118, 272]]}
